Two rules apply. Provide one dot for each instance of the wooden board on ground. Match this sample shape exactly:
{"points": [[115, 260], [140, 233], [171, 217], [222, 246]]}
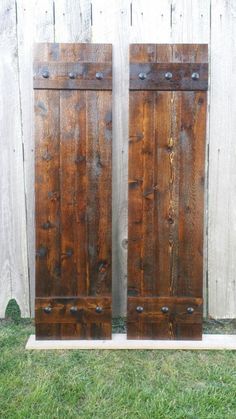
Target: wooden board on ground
{"points": [[120, 341]]}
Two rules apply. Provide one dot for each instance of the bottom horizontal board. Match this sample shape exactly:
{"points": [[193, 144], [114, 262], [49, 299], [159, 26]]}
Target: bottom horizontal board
{"points": [[120, 341]]}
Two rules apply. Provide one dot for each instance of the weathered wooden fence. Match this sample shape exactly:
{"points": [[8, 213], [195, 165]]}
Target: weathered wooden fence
{"points": [[119, 22]]}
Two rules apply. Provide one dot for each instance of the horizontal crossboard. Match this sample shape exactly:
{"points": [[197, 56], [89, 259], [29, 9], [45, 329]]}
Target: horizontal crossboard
{"points": [[164, 317], [74, 76], [63, 318], [169, 76]]}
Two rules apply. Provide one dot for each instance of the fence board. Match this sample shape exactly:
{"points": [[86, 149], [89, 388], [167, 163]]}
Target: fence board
{"points": [[190, 21], [151, 24], [222, 157], [13, 252], [72, 21]]}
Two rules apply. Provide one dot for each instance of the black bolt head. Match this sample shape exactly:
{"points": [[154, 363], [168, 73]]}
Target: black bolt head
{"points": [[168, 75], [164, 309], [142, 76], [190, 310], [139, 309], [98, 309], [73, 309], [195, 76], [47, 309], [99, 75], [71, 75], [45, 74]]}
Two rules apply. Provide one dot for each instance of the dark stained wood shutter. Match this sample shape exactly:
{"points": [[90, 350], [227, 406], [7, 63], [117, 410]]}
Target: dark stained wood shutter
{"points": [[73, 85], [168, 103]]}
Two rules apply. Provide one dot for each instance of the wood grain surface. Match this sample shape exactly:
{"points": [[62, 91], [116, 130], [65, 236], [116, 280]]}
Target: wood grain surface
{"points": [[166, 201], [73, 195]]}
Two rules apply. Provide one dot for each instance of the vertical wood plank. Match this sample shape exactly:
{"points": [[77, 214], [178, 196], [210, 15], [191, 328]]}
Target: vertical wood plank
{"points": [[135, 205], [35, 24], [167, 192], [13, 251], [47, 192], [111, 21], [190, 21], [150, 21], [98, 169], [69, 139], [222, 157], [72, 21], [73, 190], [191, 138]]}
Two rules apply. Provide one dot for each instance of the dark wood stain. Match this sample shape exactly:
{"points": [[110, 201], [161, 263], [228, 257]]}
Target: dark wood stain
{"points": [[73, 191], [166, 202]]}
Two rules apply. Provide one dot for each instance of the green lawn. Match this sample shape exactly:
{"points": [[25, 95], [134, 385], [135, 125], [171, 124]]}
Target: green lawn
{"points": [[112, 384]]}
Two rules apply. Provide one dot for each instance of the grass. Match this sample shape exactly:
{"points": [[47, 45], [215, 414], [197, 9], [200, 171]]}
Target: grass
{"points": [[112, 384]]}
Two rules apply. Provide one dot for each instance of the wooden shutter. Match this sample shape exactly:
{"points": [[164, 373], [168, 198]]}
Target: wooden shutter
{"points": [[73, 85], [168, 103]]}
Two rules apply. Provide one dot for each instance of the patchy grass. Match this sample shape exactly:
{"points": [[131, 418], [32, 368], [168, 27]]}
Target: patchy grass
{"points": [[112, 384]]}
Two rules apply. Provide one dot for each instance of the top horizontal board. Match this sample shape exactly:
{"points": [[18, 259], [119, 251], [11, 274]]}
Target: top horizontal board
{"points": [[169, 53], [81, 52]]}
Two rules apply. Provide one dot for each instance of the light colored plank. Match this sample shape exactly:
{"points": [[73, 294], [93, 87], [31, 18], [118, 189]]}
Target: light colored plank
{"points": [[222, 158], [111, 21], [119, 341], [190, 21], [35, 24], [72, 21], [13, 244], [151, 21]]}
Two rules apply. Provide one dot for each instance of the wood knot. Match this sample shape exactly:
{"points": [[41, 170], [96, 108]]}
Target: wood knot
{"points": [[80, 159], [103, 265], [54, 196], [46, 156], [47, 225]]}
